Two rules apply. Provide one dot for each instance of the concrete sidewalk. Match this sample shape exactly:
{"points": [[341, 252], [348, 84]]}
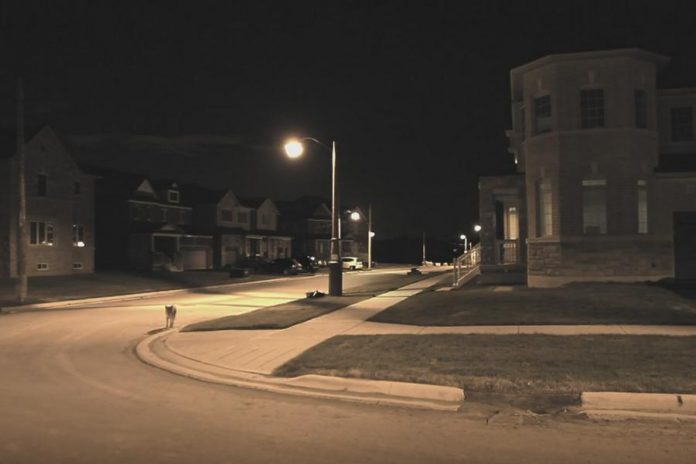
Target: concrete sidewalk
{"points": [[247, 358]]}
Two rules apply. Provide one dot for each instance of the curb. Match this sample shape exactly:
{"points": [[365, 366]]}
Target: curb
{"points": [[152, 350], [639, 405], [132, 296]]}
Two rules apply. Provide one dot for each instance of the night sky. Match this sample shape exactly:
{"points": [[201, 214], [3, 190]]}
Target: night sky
{"points": [[416, 94]]}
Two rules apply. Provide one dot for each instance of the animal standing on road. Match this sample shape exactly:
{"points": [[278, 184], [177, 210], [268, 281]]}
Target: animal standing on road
{"points": [[170, 312]]}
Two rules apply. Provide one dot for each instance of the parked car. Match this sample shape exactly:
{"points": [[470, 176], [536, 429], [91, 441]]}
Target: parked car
{"points": [[285, 266], [254, 264], [351, 263], [309, 263]]}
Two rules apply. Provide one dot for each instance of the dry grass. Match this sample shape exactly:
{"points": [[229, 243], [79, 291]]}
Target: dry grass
{"points": [[522, 364], [572, 304]]}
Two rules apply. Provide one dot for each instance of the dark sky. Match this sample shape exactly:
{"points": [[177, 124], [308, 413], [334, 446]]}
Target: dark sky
{"points": [[416, 94]]}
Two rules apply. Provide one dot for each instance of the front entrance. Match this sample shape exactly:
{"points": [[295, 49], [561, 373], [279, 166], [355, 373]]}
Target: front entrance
{"points": [[685, 245]]}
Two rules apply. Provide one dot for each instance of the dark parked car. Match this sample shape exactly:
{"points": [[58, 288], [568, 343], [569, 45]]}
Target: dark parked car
{"points": [[309, 264], [253, 264], [285, 266]]}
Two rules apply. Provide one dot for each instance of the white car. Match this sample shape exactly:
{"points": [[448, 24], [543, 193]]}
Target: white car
{"points": [[351, 263]]}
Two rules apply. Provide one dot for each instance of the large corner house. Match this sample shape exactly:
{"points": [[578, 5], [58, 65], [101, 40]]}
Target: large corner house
{"points": [[605, 188], [59, 208]]}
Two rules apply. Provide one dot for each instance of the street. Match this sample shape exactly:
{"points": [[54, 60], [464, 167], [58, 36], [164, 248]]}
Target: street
{"points": [[73, 391]]}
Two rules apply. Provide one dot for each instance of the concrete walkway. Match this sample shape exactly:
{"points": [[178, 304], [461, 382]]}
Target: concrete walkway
{"points": [[261, 351], [247, 358]]}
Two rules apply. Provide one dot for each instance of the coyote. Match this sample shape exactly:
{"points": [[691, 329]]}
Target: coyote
{"points": [[170, 311]]}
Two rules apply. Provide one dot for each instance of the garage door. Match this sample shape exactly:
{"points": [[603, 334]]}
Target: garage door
{"points": [[195, 259]]}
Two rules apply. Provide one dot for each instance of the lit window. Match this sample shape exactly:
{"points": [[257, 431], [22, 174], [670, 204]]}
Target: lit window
{"points": [[641, 107], [41, 233], [642, 207], [682, 124], [78, 231], [591, 108], [544, 209], [594, 206], [542, 114]]}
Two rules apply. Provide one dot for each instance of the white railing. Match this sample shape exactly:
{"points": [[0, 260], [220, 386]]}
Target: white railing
{"points": [[466, 264]]}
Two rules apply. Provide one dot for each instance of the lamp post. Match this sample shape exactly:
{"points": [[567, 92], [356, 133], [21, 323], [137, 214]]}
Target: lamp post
{"points": [[294, 149], [462, 237]]}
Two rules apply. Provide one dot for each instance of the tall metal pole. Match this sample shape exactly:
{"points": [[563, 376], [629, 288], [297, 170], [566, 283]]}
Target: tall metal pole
{"points": [[423, 248], [335, 271], [369, 236], [22, 281]]}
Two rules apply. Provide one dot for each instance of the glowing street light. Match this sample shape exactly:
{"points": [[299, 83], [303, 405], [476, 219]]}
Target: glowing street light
{"points": [[294, 148], [477, 228], [354, 216]]}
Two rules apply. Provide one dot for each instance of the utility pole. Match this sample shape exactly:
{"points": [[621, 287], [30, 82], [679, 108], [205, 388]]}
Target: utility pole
{"points": [[423, 248], [369, 236], [22, 282]]}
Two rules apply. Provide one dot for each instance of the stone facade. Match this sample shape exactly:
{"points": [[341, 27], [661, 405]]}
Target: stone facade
{"points": [[590, 133]]}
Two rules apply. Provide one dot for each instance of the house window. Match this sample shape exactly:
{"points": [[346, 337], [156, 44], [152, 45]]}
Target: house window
{"points": [[642, 207], [42, 267], [243, 217], [76, 188], [173, 196], [682, 124], [594, 206], [641, 102], [41, 233], [544, 208], [591, 108], [42, 185], [78, 231], [77, 266], [226, 215], [542, 114], [512, 229]]}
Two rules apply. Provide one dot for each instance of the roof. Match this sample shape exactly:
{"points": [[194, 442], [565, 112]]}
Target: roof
{"points": [[197, 195], [677, 163], [659, 60], [252, 202], [303, 207]]}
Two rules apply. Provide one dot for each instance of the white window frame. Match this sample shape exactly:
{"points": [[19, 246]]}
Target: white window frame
{"points": [[42, 266], [78, 231], [39, 237], [173, 196]]}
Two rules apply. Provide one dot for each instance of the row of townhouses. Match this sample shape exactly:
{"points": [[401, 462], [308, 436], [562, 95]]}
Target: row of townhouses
{"points": [[605, 187], [79, 219]]}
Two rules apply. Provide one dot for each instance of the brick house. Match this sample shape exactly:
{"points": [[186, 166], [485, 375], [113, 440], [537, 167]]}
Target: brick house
{"points": [[146, 225], [60, 208], [240, 228], [605, 187]]}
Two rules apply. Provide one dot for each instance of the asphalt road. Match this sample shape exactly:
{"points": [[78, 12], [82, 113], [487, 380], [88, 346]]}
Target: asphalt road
{"points": [[72, 391]]}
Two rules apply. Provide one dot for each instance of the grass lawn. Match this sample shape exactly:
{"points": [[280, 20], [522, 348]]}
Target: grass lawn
{"points": [[277, 317], [288, 314], [510, 364], [572, 304]]}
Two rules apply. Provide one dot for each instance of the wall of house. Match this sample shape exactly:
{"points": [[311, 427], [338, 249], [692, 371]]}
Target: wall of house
{"points": [[45, 154], [267, 217], [673, 98], [510, 191], [618, 153]]}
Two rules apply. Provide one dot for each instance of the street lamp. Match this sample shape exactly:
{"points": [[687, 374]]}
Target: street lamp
{"points": [[294, 148], [462, 237], [477, 228]]}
